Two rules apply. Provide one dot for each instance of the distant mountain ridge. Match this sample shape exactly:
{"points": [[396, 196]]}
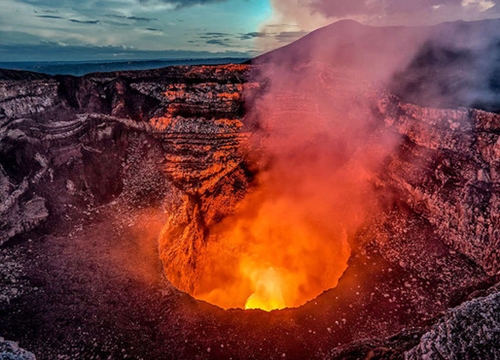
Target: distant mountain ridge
{"points": [[80, 68], [451, 64]]}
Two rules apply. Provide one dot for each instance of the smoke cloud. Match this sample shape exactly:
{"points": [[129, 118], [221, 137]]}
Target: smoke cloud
{"points": [[312, 14], [391, 7], [319, 142]]}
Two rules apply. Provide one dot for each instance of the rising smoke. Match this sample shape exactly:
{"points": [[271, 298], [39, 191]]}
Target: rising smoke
{"points": [[312, 14], [321, 143]]}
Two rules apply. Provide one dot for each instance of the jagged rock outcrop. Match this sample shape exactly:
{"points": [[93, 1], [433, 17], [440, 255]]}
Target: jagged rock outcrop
{"points": [[447, 170], [18, 217], [10, 350], [470, 331]]}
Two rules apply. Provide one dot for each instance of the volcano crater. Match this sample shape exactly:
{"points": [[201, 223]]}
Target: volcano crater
{"points": [[117, 149]]}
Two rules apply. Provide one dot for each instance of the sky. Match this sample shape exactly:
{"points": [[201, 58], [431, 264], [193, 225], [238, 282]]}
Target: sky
{"points": [[71, 30]]}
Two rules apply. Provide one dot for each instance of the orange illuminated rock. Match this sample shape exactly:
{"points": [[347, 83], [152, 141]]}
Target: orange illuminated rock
{"points": [[267, 220]]}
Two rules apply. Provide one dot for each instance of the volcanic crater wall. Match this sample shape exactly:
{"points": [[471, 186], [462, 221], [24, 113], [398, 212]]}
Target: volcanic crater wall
{"points": [[446, 169], [68, 139], [178, 138]]}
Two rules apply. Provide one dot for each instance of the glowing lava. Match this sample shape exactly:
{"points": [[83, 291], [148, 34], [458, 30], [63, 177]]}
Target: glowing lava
{"points": [[272, 257], [269, 286], [274, 233]]}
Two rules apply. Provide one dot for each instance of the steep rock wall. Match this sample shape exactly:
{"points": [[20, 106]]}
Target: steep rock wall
{"points": [[447, 169], [75, 140]]}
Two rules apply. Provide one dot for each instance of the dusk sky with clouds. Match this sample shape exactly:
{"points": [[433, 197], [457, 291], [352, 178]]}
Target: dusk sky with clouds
{"points": [[33, 30]]}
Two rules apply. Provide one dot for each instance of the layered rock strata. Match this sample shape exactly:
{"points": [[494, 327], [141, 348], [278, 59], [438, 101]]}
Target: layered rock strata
{"points": [[447, 170], [76, 135]]}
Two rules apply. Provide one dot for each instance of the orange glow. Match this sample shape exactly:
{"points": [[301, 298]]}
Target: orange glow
{"points": [[271, 257], [283, 239], [269, 286]]}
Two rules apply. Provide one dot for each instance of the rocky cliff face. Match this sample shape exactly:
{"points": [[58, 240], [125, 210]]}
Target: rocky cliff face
{"points": [[176, 139], [76, 135], [464, 332], [447, 171]]}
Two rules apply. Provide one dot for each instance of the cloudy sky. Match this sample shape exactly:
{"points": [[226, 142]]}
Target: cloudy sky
{"points": [[152, 29]]}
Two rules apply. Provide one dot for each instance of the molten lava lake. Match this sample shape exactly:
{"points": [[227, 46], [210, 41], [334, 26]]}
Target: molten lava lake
{"points": [[269, 259]]}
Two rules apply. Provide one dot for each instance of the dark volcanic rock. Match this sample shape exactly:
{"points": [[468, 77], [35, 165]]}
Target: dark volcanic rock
{"points": [[6, 74], [19, 216], [10, 350], [447, 170], [465, 332]]}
